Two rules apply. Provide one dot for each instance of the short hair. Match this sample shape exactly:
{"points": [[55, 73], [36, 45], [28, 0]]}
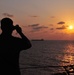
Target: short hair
{"points": [[6, 23]]}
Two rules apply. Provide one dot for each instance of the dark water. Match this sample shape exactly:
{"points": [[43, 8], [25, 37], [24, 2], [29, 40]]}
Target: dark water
{"points": [[42, 58]]}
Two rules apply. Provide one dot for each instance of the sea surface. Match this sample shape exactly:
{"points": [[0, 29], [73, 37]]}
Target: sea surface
{"points": [[46, 57]]}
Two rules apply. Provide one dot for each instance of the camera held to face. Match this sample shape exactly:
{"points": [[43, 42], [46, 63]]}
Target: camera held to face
{"points": [[17, 28]]}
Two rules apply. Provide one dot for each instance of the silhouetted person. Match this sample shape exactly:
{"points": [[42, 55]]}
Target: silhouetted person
{"points": [[10, 47]]}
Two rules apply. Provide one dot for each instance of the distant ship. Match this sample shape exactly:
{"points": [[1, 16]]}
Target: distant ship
{"points": [[37, 39]]}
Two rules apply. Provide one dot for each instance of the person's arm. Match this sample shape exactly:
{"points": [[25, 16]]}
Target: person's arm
{"points": [[25, 40]]}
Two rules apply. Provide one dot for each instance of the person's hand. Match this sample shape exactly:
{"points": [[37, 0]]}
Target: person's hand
{"points": [[18, 29]]}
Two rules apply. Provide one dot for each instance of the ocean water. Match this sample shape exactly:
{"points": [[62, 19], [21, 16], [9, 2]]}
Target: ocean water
{"points": [[46, 57]]}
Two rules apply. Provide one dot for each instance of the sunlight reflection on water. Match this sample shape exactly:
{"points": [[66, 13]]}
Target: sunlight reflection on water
{"points": [[68, 57], [47, 53]]}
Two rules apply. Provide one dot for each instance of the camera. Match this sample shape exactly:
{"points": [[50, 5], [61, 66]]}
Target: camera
{"points": [[15, 27]]}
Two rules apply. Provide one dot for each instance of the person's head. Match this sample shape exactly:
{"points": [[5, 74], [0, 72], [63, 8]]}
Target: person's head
{"points": [[7, 25]]}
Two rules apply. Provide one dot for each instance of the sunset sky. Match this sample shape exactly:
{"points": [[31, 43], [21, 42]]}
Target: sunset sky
{"points": [[41, 19]]}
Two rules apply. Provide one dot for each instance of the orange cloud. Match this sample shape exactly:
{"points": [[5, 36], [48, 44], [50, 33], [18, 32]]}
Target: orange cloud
{"points": [[61, 22], [63, 27]]}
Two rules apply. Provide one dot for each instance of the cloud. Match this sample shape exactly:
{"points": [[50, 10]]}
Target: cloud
{"points": [[7, 14], [37, 27], [40, 27], [63, 27], [51, 28], [34, 16], [52, 17], [33, 25], [61, 22], [51, 25]]}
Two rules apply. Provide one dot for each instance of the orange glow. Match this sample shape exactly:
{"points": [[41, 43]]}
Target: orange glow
{"points": [[70, 27], [68, 57]]}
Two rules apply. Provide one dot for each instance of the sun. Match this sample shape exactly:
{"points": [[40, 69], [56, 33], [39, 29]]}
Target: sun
{"points": [[70, 27]]}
